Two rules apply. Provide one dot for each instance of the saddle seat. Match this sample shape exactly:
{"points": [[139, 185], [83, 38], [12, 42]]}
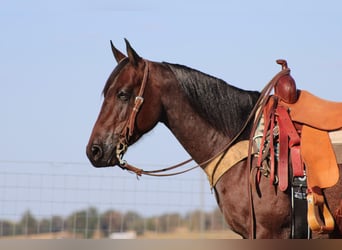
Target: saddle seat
{"points": [[315, 112]]}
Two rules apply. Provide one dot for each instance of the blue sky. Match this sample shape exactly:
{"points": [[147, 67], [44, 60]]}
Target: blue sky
{"points": [[55, 58]]}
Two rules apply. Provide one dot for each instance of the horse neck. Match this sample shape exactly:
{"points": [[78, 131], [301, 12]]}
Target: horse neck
{"points": [[198, 137]]}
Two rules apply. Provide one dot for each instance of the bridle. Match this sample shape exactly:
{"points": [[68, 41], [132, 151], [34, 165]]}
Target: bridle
{"points": [[128, 129]]}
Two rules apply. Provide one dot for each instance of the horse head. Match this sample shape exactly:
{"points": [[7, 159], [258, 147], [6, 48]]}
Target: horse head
{"points": [[127, 111]]}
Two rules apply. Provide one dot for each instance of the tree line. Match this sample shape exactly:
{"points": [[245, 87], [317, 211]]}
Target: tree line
{"points": [[85, 223]]}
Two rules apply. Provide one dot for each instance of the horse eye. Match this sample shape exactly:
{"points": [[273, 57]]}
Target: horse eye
{"points": [[124, 96]]}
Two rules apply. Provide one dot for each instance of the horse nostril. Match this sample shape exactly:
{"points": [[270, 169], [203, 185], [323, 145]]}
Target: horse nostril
{"points": [[96, 152]]}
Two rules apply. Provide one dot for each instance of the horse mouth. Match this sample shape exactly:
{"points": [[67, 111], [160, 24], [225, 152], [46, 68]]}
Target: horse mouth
{"points": [[112, 160]]}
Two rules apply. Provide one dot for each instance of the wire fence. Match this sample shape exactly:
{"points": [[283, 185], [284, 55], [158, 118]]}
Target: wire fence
{"points": [[75, 200]]}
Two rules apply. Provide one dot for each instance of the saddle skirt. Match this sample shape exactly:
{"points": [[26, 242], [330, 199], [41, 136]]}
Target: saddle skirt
{"points": [[319, 158]]}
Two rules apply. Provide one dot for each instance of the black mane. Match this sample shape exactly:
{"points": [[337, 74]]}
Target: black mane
{"points": [[224, 106]]}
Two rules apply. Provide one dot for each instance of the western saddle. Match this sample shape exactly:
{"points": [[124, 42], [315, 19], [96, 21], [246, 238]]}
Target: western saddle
{"points": [[295, 122]]}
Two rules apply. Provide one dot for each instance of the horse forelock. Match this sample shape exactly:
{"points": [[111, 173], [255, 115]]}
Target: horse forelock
{"points": [[224, 106], [114, 74]]}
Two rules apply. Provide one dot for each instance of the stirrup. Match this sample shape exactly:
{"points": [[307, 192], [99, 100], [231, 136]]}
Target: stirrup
{"points": [[319, 217]]}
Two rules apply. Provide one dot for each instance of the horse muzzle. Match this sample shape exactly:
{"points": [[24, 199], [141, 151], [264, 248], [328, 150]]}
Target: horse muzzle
{"points": [[102, 155]]}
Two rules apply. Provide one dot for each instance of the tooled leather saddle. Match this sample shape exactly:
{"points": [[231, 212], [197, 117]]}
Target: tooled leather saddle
{"points": [[297, 133]]}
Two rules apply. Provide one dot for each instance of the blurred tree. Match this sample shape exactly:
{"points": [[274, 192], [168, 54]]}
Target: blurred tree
{"points": [[83, 222], [169, 222], [193, 220], [133, 221], [86, 222], [57, 223], [49, 225], [111, 221], [28, 224], [217, 221], [44, 225], [6, 228]]}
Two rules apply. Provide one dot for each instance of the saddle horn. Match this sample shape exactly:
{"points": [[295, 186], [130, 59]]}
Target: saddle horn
{"points": [[286, 88]]}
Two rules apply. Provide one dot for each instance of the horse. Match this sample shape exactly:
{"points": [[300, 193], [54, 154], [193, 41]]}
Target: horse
{"points": [[205, 114]]}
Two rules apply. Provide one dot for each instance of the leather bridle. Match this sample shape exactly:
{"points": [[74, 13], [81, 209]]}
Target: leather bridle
{"points": [[128, 129]]}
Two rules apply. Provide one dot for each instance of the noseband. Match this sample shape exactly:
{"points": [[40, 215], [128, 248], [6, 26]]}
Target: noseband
{"points": [[128, 129]]}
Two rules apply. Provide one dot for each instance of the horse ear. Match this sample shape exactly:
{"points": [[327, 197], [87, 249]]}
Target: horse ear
{"points": [[118, 55], [134, 58]]}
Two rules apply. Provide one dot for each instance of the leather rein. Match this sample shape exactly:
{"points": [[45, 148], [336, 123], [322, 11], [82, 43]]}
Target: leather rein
{"points": [[128, 130]]}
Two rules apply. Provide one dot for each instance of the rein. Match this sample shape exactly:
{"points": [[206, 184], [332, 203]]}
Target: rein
{"points": [[128, 130]]}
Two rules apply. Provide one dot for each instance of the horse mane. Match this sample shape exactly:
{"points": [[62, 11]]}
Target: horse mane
{"points": [[224, 106]]}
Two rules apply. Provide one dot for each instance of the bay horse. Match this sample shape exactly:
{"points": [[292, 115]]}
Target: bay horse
{"points": [[204, 113]]}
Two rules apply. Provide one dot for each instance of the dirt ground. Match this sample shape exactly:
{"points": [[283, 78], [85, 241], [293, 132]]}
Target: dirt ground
{"points": [[185, 234]]}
